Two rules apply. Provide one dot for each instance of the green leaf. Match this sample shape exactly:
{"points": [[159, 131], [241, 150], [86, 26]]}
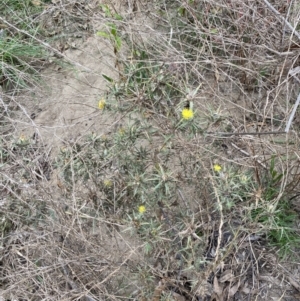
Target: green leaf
{"points": [[103, 34], [118, 43], [181, 11], [118, 17], [110, 80], [113, 29], [106, 10]]}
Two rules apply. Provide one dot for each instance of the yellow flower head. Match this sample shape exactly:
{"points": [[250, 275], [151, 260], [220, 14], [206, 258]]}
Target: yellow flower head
{"points": [[22, 138], [217, 168], [244, 179], [104, 138], [142, 209], [101, 104], [187, 114], [107, 183], [121, 131]]}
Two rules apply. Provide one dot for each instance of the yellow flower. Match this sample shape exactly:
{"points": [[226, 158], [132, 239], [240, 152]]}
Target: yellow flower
{"points": [[101, 104], [244, 179], [217, 167], [22, 138], [142, 209], [187, 114], [107, 183], [121, 131]]}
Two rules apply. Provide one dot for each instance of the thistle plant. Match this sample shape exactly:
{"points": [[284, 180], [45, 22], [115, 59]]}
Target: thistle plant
{"points": [[167, 188]]}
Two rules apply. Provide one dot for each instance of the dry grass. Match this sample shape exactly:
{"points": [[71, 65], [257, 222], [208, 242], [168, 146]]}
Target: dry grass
{"points": [[220, 190]]}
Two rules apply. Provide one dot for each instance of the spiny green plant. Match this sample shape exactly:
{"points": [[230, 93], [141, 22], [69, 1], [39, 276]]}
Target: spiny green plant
{"points": [[150, 84], [277, 215], [234, 186], [277, 218], [152, 176]]}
